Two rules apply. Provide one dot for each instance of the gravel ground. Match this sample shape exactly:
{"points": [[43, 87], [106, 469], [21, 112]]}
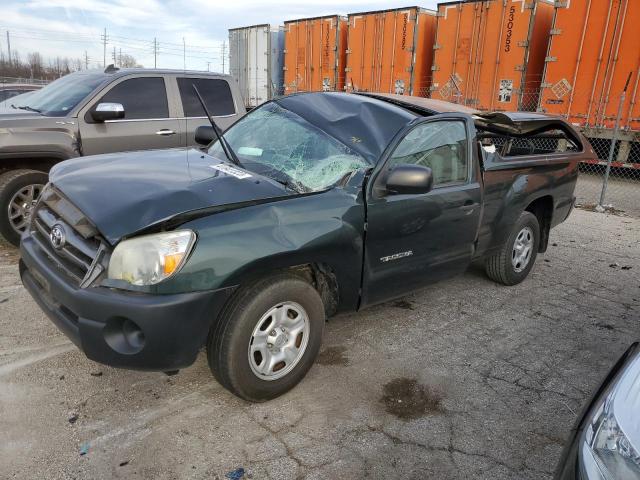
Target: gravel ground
{"points": [[466, 379]]}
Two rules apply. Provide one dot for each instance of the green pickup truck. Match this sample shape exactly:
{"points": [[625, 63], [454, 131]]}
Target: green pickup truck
{"points": [[309, 205]]}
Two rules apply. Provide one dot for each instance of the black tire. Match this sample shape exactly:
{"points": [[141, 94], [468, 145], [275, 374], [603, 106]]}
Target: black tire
{"points": [[11, 183], [499, 266], [229, 339]]}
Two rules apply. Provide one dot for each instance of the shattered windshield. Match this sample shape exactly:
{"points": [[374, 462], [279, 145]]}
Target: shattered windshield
{"points": [[277, 143]]}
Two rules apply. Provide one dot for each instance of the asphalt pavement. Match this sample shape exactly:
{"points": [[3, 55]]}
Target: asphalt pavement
{"points": [[465, 379]]}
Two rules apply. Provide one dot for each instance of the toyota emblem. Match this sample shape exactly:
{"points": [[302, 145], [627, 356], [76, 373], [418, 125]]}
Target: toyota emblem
{"points": [[57, 237]]}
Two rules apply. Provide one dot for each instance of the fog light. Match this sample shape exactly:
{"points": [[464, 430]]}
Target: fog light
{"points": [[124, 336]]}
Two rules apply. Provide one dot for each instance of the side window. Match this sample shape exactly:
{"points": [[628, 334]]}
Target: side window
{"points": [[142, 98], [441, 146], [7, 94], [215, 93]]}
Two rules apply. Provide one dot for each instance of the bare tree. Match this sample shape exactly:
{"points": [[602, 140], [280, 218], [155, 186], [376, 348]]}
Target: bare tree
{"points": [[36, 67], [128, 61], [36, 64]]}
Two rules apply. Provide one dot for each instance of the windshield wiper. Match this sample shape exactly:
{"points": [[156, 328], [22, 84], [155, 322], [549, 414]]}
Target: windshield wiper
{"points": [[27, 107], [280, 177], [228, 151], [295, 186]]}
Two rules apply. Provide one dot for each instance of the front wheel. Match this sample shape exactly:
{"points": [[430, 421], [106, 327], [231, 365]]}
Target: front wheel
{"points": [[19, 192], [267, 337], [514, 261]]}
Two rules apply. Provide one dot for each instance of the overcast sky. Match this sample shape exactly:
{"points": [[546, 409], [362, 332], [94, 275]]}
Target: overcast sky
{"points": [[71, 27]]}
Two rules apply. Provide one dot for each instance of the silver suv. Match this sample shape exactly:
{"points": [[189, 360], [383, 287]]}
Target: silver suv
{"points": [[93, 112]]}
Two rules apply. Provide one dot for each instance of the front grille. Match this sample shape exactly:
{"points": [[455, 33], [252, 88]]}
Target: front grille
{"points": [[80, 254]]}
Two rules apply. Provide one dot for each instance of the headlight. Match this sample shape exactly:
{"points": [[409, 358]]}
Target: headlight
{"points": [[609, 447], [150, 259]]}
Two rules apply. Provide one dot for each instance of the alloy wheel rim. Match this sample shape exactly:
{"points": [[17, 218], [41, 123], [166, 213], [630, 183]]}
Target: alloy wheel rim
{"points": [[21, 206], [522, 249], [279, 341]]}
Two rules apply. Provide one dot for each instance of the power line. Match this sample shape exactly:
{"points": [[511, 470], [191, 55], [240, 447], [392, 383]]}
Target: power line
{"points": [[43, 30], [44, 34], [146, 48]]}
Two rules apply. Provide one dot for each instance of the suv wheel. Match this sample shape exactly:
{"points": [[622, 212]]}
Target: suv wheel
{"points": [[516, 258], [267, 337], [19, 191]]}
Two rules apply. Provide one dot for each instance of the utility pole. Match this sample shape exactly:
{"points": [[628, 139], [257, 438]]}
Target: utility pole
{"points": [[86, 60], [224, 54], [9, 48], [184, 53], [155, 52], [208, 65], [120, 59], [104, 45], [115, 60]]}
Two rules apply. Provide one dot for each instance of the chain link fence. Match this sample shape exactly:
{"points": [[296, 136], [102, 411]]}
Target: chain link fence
{"points": [[22, 80], [621, 181]]}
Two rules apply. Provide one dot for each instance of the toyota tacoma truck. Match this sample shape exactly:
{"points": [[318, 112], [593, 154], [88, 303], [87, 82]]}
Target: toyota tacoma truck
{"points": [[309, 205], [93, 112]]}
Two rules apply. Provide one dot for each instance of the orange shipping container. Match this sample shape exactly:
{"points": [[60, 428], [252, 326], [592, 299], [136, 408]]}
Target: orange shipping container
{"points": [[594, 47], [490, 54], [314, 54], [391, 51]]}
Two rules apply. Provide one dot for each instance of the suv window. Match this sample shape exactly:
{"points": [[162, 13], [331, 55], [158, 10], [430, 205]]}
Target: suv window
{"points": [[6, 94], [441, 146], [142, 98], [215, 93]]}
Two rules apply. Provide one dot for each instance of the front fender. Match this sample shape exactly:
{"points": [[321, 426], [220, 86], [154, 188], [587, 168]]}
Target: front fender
{"points": [[55, 139], [238, 246]]}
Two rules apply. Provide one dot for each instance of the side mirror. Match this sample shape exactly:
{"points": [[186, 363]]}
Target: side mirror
{"points": [[406, 179], [205, 135], [107, 111]]}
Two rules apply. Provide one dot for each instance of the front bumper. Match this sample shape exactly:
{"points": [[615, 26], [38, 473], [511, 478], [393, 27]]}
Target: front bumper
{"points": [[119, 328]]}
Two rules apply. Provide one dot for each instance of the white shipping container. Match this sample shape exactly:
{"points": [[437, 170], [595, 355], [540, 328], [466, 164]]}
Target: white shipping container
{"points": [[256, 61]]}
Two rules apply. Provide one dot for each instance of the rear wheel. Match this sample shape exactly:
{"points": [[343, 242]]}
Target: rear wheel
{"points": [[516, 258], [267, 337], [19, 192]]}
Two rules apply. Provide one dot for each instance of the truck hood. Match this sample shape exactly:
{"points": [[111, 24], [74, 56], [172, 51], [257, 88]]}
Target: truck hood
{"points": [[14, 121], [9, 113], [125, 193]]}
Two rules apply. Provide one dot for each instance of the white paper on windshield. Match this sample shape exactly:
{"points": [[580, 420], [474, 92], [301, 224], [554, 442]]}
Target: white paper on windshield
{"points": [[229, 170]]}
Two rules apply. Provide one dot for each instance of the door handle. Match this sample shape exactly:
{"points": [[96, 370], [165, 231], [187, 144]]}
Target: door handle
{"points": [[469, 206], [165, 132]]}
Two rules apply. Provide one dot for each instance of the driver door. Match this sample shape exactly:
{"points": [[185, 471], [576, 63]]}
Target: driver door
{"points": [[415, 239], [148, 123]]}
